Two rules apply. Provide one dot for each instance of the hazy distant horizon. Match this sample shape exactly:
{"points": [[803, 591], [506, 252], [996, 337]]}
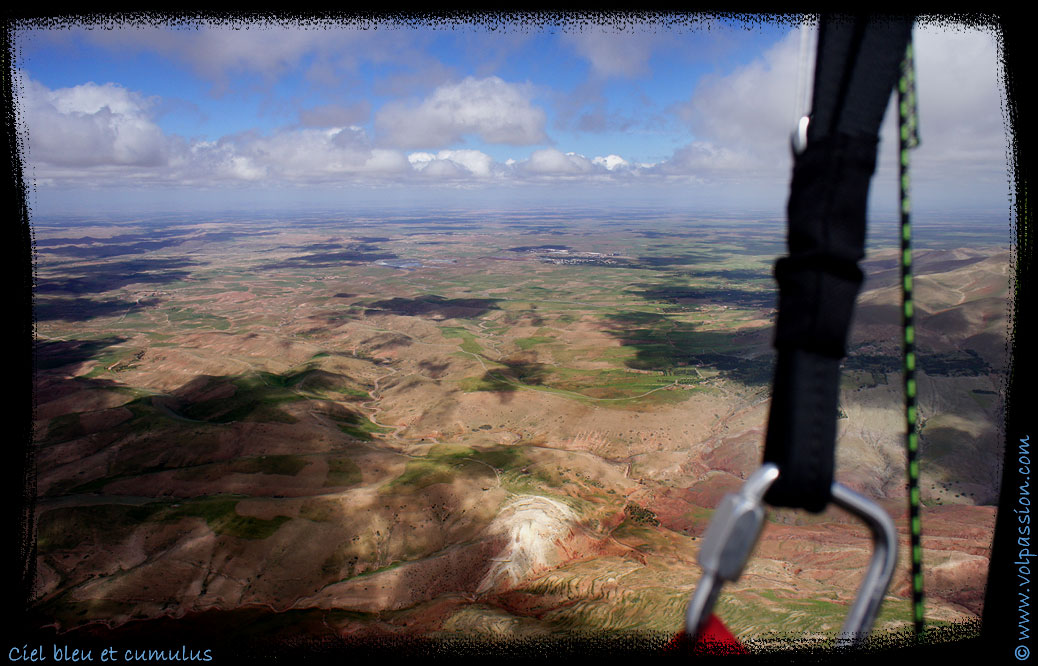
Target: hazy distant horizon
{"points": [[128, 211]]}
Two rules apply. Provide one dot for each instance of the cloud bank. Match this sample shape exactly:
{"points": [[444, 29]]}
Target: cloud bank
{"points": [[104, 134]]}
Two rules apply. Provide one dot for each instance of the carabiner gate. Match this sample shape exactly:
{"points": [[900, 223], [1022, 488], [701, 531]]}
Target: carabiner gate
{"points": [[736, 527]]}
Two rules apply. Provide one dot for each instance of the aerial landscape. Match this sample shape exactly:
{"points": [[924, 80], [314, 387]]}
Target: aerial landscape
{"points": [[484, 423], [354, 333]]}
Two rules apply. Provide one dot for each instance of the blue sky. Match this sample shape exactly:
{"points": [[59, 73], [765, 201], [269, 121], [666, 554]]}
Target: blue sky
{"points": [[694, 113]]}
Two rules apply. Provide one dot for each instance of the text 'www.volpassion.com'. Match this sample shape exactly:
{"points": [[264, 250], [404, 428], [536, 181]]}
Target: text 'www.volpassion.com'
{"points": [[1024, 554]]}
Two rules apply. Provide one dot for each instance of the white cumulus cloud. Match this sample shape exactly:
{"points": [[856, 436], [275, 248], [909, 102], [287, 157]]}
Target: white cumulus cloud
{"points": [[453, 163], [90, 125], [102, 133], [489, 108], [742, 121], [611, 162], [962, 131], [303, 155], [552, 162]]}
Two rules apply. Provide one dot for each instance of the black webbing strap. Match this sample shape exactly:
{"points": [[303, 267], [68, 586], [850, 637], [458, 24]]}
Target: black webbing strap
{"points": [[857, 66]]}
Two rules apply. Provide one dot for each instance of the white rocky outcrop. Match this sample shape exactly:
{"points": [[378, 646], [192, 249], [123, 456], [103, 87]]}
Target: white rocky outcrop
{"points": [[533, 525]]}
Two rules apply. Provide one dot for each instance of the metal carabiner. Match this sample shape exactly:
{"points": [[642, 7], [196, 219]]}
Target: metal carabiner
{"points": [[736, 527]]}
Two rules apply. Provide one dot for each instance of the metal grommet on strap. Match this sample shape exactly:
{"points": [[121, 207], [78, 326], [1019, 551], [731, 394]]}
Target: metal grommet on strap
{"points": [[799, 138]]}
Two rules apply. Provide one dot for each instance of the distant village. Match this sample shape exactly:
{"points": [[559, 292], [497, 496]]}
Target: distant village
{"points": [[566, 256]]}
